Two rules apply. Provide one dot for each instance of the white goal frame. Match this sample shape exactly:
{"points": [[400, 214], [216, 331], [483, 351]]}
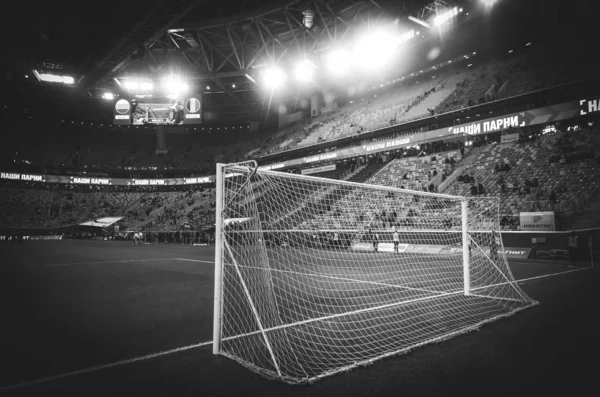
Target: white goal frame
{"points": [[220, 248]]}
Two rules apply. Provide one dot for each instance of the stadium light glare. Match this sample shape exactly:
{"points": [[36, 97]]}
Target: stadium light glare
{"points": [[54, 78], [419, 21], [488, 3], [339, 61], [304, 71], [108, 96], [274, 77], [444, 17], [174, 86], [375, 50], [130, 85]]}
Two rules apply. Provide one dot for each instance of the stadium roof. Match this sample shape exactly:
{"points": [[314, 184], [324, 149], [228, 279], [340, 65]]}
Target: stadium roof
{"points": [[219, 43]]}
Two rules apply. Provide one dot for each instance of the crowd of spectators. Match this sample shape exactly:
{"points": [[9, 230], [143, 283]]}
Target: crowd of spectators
{"points": [[556, 171]]}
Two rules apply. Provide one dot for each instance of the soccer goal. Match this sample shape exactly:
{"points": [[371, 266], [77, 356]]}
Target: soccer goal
{"points": [[315, 276]]}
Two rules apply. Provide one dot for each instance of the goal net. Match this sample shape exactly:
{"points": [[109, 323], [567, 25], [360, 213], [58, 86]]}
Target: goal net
{"points": [[316, 276]]}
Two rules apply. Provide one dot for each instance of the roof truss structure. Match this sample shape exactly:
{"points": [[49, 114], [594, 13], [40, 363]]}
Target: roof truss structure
{"points": [[227, 54]]}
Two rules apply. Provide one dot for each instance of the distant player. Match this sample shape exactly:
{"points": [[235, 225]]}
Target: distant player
{"points": [[573, 247], [374, 237], [494, 244], [396, 238]]}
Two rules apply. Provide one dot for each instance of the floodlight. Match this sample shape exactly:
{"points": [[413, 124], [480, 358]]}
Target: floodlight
{"points": [[274, 77], [375, 50], [444, 17], [54, 78], [304, 71], [419, 21], [488, 3], [131, 85], [108, 95], [339, 61], [174, 86]]}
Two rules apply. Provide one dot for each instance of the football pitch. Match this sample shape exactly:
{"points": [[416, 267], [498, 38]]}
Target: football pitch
{"points": [[105, 318]]}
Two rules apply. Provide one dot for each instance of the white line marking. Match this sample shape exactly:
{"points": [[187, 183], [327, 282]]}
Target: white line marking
{"points": [[179, 349], [194, 260], [553, 274], [87, 263], [105, 366], [543, 264]]}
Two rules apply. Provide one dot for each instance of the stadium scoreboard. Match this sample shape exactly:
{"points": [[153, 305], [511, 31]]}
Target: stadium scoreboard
{"points": [[158, 111]]}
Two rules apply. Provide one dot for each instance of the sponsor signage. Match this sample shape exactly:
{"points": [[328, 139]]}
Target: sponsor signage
{"points": [[381, 247], [196, 180], [271, 167], [22, 177], [515, 253], [75, 180], [90, 181], [544, 115], [316, 170], [425, 249], [146, 182], [386, 145], [485, 126], [537, 221], [321, 157], [589, 106]]}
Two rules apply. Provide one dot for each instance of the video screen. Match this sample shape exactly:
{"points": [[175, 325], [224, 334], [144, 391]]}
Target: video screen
{"points": [[163, 111]]}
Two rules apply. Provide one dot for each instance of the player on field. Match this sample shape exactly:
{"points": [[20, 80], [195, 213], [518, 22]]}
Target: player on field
{"points": [[374, 237], [494, 245], [396, 238]]}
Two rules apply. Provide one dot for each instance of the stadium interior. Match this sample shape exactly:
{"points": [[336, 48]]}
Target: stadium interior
{"points": [[111, 134]]}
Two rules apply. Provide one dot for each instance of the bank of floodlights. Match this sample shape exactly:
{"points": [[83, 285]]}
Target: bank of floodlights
{"points": [[488, 3], [273, 77], [174, 87], [445, 16], [375, 50], [304, 71], [54, 78], [339, 62]]}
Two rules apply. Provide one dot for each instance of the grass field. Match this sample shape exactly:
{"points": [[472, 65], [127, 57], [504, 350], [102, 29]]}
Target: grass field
{"points": [[99, 318]]}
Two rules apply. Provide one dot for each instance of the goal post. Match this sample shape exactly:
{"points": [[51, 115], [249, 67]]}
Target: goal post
{"points": [[218, 292], [315, 276], [466, 245]]}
